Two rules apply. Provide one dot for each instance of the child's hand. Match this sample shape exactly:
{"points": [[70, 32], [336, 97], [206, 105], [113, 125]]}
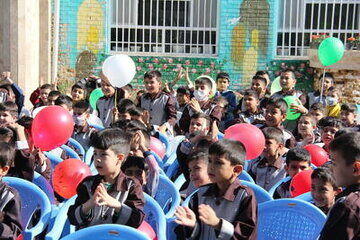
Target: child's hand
{"points": [[214, 131], [185, 216], [103, 198], [141, 141], [208, 216], [145, 118], [194, 104]]}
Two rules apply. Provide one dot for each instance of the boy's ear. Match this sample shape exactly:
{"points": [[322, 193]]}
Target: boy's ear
{"points": [[356, 168], [121, 157], [284, 115], [338, 190], [238, 169], [4, 170]]}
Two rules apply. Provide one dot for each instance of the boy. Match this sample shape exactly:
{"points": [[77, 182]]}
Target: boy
{"points": [[10, 217], [12, 91], [82, 130], [314, 97], [43, 95], [182, 98], [317, 111], [53, 95], [333, 107], [348, 116], [78, 92], [343, 219], [328, 128], [264, 74], [65, 102], [297, 160], [200, 103], [222, 85], [123, 108], [259, 84], [160, 105], [307, 131], [8, 118], [224, 209], [323, 188], [110, 196], [269, 168]]}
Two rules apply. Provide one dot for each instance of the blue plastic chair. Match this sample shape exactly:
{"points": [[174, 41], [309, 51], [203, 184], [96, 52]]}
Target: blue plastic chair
{"points": [[220, 135], [97, 127], [164, 139], [246, 177], [167, 196], [158, 159], [107, 232], [180, 180], [45, 186], [55, 160], [261, 194], [154, 216], [273, 188], [172, 169], [61, 225], [70, 152], [307, 197], [78, 147], [289, 219], [88, 156], [170, 160], [32, 198]]}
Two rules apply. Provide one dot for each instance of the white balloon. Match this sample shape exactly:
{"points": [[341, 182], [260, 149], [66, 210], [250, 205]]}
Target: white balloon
{"points": [[119, 69]]}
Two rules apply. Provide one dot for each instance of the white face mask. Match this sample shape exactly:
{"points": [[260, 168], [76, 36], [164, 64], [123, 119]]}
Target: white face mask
{"points": [[331, 101], [201, 95], [79, 120]]}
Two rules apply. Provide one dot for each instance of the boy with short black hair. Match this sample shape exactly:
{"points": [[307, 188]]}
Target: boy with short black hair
{"points": [[269, 168], [222, 85], [65, 102], [314, 97], [297, 160], [78, 92], [317, 110], [328, 127], [348, 116], [10, 216], [53, 95], [259, 84], [9, 117], [110, 196], [44, 91], [224, 209], [323, 188], [136, 167], [343, 219], [183, 96], [123, 108]]}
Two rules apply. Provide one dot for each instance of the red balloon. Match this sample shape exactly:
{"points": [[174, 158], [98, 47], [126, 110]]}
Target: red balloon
{"points": [[148, 230], [301, 183], [51, 128], [157, 147], [249, 135], [67, 176], [318, 155]]}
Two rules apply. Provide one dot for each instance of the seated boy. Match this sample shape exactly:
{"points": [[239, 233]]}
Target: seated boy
{"points": [[323, 188], [123, 108], [78, 92], [224, 209], [328, 127], [348, 116], [297, 160], [343, 219], [317, 111], [43, 95], [307, 133], [65, 102], [10, 218], [269, 168], [9, 117], [110, 196]]}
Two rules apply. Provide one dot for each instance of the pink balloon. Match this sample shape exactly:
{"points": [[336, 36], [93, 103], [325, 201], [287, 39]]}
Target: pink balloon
{"points": [[51, 128], [318, 155], [301, 183], [157, 146], [148, 230], [250, 136]]}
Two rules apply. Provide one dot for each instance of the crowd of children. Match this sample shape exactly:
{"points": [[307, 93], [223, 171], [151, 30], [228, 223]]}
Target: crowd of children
{"points": [[222, 207]]}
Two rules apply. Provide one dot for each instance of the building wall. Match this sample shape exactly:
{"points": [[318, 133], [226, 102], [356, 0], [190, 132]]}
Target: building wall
{"points": [[247, 39]]}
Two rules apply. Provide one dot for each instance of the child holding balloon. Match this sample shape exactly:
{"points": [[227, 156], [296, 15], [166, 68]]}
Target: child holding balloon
{"points": [[110, 196]]}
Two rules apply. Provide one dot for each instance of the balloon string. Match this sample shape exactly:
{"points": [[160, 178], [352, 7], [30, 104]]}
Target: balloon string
{"points": [[115, 105], [322, 86]]}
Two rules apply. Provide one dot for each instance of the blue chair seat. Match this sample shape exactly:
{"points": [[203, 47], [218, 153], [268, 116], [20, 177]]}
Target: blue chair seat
{"points": [[167, 196]]}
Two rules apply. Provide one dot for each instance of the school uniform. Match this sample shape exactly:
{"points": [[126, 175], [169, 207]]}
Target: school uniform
{"points": [[237, 209], [128, 192], [82, 135], [231, 99], [343, 221], [10, 218], [283, 190], [248, 117], [105, 108]]}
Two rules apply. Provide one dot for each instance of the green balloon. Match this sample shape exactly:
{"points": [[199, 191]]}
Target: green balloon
{"points": [[94, 97], [330, 51], [290, 115], [275, 86]]}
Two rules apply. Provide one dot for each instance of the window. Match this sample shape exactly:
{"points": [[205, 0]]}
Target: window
{"points": [[164, 27], [300, 19]]}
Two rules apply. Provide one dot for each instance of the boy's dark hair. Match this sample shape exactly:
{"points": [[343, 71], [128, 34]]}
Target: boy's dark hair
{"points": [[348, 145], [330, 122], [198, 115], [134, 161], [196, 154], [290, 71], [128, 87], [313, 122], [349, 108], [327, 75], [232, 150], [183, 90], [137, 111], [83, 104], [125, 105], [258, 77], [10, 133], [122, 123], [25, 122], [113, 138], [251, 93], [10, 107], [343, 131], [317, 106], [46, 86], [80, 85], [261, 73], [153, 74], [274, 133], [298, 154], [54, 93], [64, 100], [7, 154], [324, 174], [204, 80], [278, 103], [223, 75]]}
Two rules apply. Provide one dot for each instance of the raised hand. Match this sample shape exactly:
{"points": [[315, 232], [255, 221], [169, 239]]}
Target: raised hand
{"points": [[208, 216], [185, 216]]}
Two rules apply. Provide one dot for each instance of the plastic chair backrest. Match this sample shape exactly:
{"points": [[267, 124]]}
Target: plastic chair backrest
{"points": [[154, 216], [32, 198], [70, 152], [307, 197], [245, 177], [220, 135], [79, 148], [97, 127], [273, 188], [167, 196], [88, 156], [158, 159], [172, 169], [61, 222], [170, 160], [261, 194], [45, 186], [107, 232], [180, 180], [55, 160], [188, 198], [289, 219], [164, 139]]}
